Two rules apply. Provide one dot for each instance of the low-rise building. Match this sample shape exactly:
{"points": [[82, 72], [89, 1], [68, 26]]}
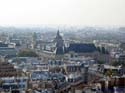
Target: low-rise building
{"points": [[7, 70]]}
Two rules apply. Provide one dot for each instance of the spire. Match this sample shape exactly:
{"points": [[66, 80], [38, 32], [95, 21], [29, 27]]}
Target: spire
{"points": [[58, 35], [59, 44]]}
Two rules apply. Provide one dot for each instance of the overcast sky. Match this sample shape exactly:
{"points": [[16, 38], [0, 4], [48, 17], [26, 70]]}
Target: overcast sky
{"points": [[71, 12]]}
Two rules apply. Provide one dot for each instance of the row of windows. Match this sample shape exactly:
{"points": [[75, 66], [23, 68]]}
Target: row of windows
{"points": [[7, 70], [12, 86], [73, 69]]}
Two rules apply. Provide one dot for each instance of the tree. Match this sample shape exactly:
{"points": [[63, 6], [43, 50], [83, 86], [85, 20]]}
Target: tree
{"points": [[115, 63], [109, 73], [27, 53], [101, 62]]}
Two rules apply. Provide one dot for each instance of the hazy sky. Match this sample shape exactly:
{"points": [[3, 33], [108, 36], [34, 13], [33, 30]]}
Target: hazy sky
{"points": [[75, 12]]}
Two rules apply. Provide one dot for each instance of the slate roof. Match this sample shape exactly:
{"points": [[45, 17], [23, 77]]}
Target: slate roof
{"points": [[7, 51], [40, 75], [82, 48]]}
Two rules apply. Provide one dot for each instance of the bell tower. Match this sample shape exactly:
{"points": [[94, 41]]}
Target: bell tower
{"points": [[60, 46]]}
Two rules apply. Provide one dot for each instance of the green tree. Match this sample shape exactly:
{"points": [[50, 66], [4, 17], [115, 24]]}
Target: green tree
{"points": [[115, 63], [109, 73], [101, 62], [27, 53]]}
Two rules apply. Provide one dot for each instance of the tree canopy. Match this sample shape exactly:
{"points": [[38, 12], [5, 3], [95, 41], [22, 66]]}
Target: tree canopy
{"points": [[27, 53]]}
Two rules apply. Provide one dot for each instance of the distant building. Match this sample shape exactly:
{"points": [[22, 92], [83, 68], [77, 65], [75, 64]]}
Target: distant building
{"points": [[105, 68], [122, 45], [60, 46], [74, 67], [3, 44], [7, 51], [34, 37], [7, 70], [120, 58], [18, 42], [14, 83], [82, 48], [40, 75], [55, 63]]}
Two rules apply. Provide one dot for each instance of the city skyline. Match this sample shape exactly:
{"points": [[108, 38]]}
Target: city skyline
{"points": [[65, 12]]}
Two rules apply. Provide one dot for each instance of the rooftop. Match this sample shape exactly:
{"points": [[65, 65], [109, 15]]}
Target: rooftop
{"points": [[82, 48]]}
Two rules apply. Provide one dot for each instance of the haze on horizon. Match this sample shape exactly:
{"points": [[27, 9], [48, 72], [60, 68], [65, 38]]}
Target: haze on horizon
{"points": [[66, 12]]}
